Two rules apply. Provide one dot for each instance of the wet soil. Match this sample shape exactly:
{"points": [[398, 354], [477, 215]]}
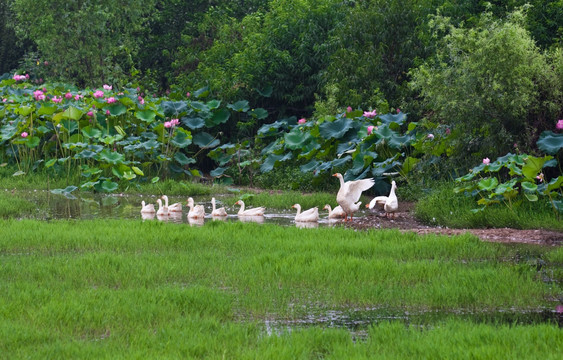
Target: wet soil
{"points": [[404, 220]]}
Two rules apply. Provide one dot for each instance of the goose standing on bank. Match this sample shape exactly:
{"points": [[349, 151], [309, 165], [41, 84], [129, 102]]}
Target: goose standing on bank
{"points": [[307, 215], [176, 207], [390, 203], [349, 194]]}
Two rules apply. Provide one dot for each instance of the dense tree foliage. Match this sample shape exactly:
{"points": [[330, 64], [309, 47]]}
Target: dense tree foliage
{"points": [[488, 72]]}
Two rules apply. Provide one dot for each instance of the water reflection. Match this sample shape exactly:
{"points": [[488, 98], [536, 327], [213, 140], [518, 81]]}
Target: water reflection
{"points": [[307, 224], [196, 221], [256, 219], [98, 206]]}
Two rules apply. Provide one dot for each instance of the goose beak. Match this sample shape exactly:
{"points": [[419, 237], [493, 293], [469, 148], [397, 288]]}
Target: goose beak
{"points": [[335, 174]]}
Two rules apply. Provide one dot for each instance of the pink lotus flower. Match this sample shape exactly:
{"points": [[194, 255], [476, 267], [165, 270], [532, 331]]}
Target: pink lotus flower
{"points": [[111, 100], [98, 94], [540, 177], [141, 100], [370, 114], [349, 109], [448, 131], [27, 76], [559, 125], [24, 134], [486, 161], [370, 129], [39, 95], [107, 112], [90, 113], [301, 121], [174, 122], [45, 63], [68, 95], [19, 77], [188, 94], [167, 124], [430, 136], [398, 110], [77, 97], [107, 87], [57, 99], [4, 100]]}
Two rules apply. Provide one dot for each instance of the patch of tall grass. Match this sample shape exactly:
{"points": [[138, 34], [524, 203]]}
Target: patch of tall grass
{"points": [[82, 289], [443, 207], [13, 206]]}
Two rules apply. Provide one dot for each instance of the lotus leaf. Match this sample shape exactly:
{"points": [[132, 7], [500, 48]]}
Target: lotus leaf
{"points": [[138, 171], [218, 171], [47, 109], [259, 113], [239, 106], [85, 154], [193, 122], [335, 129], [266, 92], [219, 117], [111, 157], [488, 184], [201, 93], [69, 125], [24, 110], [72, 113], [33, 141], [91, 132], [339, 162], [150, 144], [393, 118], [181, 139], [296, 139], [183, 160], [205, 140], [310, 166], [533, 165], [147, 116], [550, 142], [199, 106], [108, 186], [173, 108]]}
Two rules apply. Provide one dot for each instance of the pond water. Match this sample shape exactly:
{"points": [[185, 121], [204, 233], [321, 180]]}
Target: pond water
{"points": [[96, 206]]}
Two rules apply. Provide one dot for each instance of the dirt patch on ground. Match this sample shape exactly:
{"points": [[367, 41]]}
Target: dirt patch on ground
{"points": [[404, 220]]}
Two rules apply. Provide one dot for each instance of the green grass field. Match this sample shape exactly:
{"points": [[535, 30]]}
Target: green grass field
{"points": [[129, 289]]}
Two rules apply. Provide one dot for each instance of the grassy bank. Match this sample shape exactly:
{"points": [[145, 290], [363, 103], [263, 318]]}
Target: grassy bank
{"points": [[443, 207], [120, 288]]}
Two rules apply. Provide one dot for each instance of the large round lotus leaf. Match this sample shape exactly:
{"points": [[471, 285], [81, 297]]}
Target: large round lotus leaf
{"points": [[193, 122], [85, 154], [201, 93], [117, 109], [111, 157], [69, 125], [550, 142], [205, 140], [199, 106], [398, 142], [271, 160], [146, 115], [108, 186], [183, 159], [181, 139], [173, 108], [47, 109], [341, 161], [296, 139], [91, 132], [393, 118], [335, 129], [239, 106], [488, 184], [533, 166], [219, 117], [218, 171], [213, 104], [150, 144], [260, 113]]}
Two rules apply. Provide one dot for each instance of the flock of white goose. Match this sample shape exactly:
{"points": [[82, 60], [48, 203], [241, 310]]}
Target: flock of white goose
{"points": [[348, 197]]}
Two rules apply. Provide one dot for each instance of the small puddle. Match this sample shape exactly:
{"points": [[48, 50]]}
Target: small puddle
{"points": [[97, 206], [358, 322]]}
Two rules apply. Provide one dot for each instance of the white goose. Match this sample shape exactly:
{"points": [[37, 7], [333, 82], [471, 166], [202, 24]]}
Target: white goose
{"points": [[176, 207], [390, 203], [162, 210], [217, 212], [335, 213], [306, 216], [147, 208], [196, 211], [349, 194], [259, 211]]}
